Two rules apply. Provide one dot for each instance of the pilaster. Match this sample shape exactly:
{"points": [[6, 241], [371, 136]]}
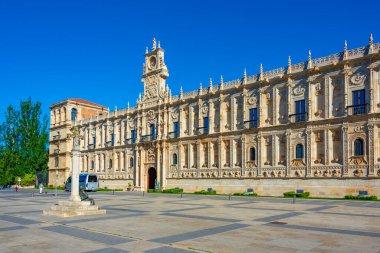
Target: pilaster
{"points": [[371, 150], [345, 150]]}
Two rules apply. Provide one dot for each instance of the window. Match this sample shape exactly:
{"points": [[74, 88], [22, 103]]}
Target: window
{"points": [[94, 141], [153, 131], [358, 102], [131, 162], [92, 165], [176, 129], [299, 151], [252, 117], [56, 161], [175, 159], [252, 154], [358, 147], [113, 139], [300, 111], [133, 135], [74, 113], [205, 125], [110, 163], [358, 97]]}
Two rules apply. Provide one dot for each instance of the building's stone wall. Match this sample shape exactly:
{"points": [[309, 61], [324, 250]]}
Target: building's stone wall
{"points": [[329, 188], [222, 138]]}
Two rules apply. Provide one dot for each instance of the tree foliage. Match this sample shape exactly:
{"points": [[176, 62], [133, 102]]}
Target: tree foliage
{"points": [[23, 141]]}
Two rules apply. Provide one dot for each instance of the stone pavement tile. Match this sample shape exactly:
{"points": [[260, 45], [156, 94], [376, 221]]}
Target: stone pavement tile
{"points": [[150, 226], [199, 233], [319, 208], [166, 249], [200, 217], [299, 244], [2, 229], [107, 250], [328, 230], [88, 235], [279, 217], [363, 223], [17, 220], [139, 245]]}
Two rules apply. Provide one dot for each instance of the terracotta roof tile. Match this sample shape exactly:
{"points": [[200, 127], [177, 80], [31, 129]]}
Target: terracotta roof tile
{"points": [[79, 100]]}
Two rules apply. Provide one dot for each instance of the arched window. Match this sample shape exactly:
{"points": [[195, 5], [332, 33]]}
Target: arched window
{"points": [[110, 164], [299, 151], [131, 162], [175, 159], [358, 147], [252, 154], [74, 113]]}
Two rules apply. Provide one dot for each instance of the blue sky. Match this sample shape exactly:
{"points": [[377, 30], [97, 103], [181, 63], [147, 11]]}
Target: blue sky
{"points": [[53, 50]]}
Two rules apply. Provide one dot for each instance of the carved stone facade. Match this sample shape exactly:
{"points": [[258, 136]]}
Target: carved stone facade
{"points": [[316, 120]]}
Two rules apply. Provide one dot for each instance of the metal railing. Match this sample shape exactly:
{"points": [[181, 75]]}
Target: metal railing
{"points": [[298, 117], [202, 130], [250, 124], [173, 135], [357, 109], [130, 141], [149, 137]]}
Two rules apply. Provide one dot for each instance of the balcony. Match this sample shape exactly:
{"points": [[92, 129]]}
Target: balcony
{"points": [[149, 137], [130, 141], [357, 109], [250, 124], [91, 146], [173, 135], [109, 144], [202, 130], [298, 117]]}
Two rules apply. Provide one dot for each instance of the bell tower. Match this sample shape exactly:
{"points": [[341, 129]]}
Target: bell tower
{"points": [[155, 73]]}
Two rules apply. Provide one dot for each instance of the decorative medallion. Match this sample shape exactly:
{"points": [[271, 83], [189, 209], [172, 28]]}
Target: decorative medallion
{"points": [[252, 100], [204, 108], [358, 79], [298, 91]]}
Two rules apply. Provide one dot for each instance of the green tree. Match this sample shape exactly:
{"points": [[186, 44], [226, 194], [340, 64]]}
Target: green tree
{"points": [[33, 137], [23, 142]]}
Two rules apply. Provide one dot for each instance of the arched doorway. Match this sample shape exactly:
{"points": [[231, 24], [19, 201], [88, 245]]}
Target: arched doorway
{"points": [[152, 177]]}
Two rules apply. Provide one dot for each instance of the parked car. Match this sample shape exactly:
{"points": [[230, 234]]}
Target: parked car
{"points": [[89, 182]]}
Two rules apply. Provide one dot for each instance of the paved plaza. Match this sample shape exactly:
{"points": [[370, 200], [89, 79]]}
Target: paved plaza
{"points": [[168, 223]]}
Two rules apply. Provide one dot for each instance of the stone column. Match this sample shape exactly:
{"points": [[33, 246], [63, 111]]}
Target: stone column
{"points": [[274, 150], [211, 114], [327, 147], [220, 156], [372, 101], [259, 160], [221, 119], [274, 108], [345, 150], [346, 83], [191, 123], [75, 154], [122, 132], [233, 114], [159, 165], [243, 155], [327, 97], [371, 150], [260, 109], [136, 171], [308, 153], [232, 153], [188, 156], [288, 152], [165, 165], [290, 108], [179, 160], [309, 101], [198, 155]]}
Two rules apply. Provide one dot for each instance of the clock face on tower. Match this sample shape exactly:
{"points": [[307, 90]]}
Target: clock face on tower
{"points": [[152, 62]]}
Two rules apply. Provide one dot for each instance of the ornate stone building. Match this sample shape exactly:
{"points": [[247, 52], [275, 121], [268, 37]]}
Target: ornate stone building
{"points": [[312, 125]]}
